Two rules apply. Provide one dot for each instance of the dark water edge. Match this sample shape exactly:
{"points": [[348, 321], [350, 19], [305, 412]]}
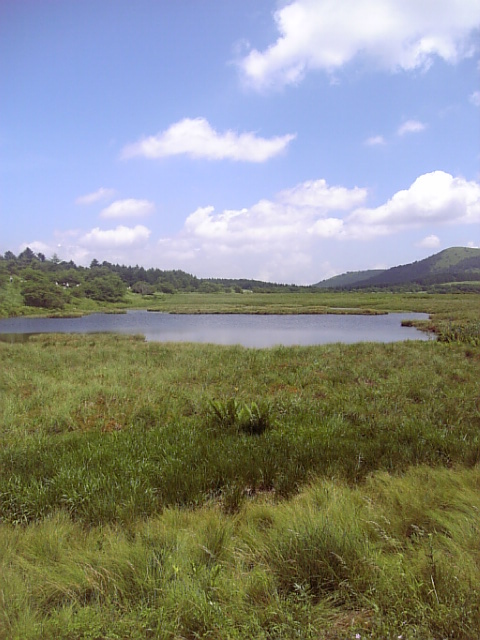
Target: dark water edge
{"points": [[227, 329]]}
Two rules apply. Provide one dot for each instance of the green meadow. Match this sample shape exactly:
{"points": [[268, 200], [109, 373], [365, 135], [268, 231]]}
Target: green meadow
{"points": [[186, 491]]}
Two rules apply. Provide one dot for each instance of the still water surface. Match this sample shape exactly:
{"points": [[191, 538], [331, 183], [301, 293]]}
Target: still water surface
{"points": [[247, 330]]}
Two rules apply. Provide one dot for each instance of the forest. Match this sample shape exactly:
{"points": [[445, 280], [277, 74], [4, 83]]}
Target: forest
{"points": [[52, 283]]}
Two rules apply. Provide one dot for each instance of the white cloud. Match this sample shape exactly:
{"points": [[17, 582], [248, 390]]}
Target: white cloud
{"points": [[317, 194], [393, 34], [129, 208], [197, 139], [475, 98], [270, 240], [114, 238], [430, 242], [434, 198], [411, 126], [96, 196], [294, 236], [283, 238], [314, 209], [63, 244], [293, 212], [328, 228], [375, 141]]}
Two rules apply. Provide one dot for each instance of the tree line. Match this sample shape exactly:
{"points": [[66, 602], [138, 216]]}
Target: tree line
{"points": [[51, 282]]}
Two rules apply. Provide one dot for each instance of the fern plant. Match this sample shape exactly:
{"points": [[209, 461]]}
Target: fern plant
{"points": [[231, 415]]}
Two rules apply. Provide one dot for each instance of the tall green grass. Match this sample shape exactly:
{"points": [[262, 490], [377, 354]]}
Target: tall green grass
{"points": [[155, 490], [396, 556], [112, 428], [466, 333]]}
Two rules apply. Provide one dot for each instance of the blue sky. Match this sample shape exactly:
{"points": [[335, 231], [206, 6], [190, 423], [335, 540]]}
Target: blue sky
{"points": [[283, 141]]}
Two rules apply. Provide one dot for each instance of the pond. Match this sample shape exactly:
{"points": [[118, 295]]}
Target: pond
{"points": [[247, 330]]}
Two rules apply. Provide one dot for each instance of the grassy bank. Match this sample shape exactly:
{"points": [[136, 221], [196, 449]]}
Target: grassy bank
{"points": [[452, 306], [152, 490], [445, 306]]}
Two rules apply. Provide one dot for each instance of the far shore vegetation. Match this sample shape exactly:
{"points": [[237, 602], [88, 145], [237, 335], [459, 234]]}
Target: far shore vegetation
{"points": [[184, 491], [32, 284]]}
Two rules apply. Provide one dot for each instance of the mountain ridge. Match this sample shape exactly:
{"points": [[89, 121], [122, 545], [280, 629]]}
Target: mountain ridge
{"points": [[455, 264]]}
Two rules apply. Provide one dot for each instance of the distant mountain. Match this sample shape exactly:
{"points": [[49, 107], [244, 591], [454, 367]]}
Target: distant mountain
{"points": [[348, 279], [457, 264]]}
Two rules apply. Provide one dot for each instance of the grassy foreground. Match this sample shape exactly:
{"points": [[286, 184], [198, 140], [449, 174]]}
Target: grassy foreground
{"points": [[194, 491], [395, 558]]}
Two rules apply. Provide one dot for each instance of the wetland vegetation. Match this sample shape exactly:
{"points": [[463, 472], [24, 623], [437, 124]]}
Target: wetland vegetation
{"points": [[182, 491], [152, 490]]}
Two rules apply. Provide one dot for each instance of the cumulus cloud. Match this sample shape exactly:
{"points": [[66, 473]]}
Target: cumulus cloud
{"points": [[283, 238], [290, 237], [273, 239], [197, 139], [317, 195], [430, 242], [328, 228], [129, 208], [393, 34], [293, 212], [64, 244], [434, 198], [316, 209], [411, 126], [120, 237], [96, 196]]}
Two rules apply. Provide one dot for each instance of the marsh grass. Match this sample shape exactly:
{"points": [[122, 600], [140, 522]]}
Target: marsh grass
{"points": [[112, 428], [383, 559], [466, 333], [444, 308], [188, 491]]}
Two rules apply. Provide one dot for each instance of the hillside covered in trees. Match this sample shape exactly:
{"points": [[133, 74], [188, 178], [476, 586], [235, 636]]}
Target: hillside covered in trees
{"points": [[457, 268], [31, 279]]}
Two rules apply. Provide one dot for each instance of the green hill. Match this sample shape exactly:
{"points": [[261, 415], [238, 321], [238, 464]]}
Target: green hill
{"points": [[348, 279], [454, 265]]}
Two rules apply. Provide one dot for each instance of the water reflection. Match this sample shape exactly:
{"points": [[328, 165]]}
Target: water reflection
{"points": [[227, 329]]}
